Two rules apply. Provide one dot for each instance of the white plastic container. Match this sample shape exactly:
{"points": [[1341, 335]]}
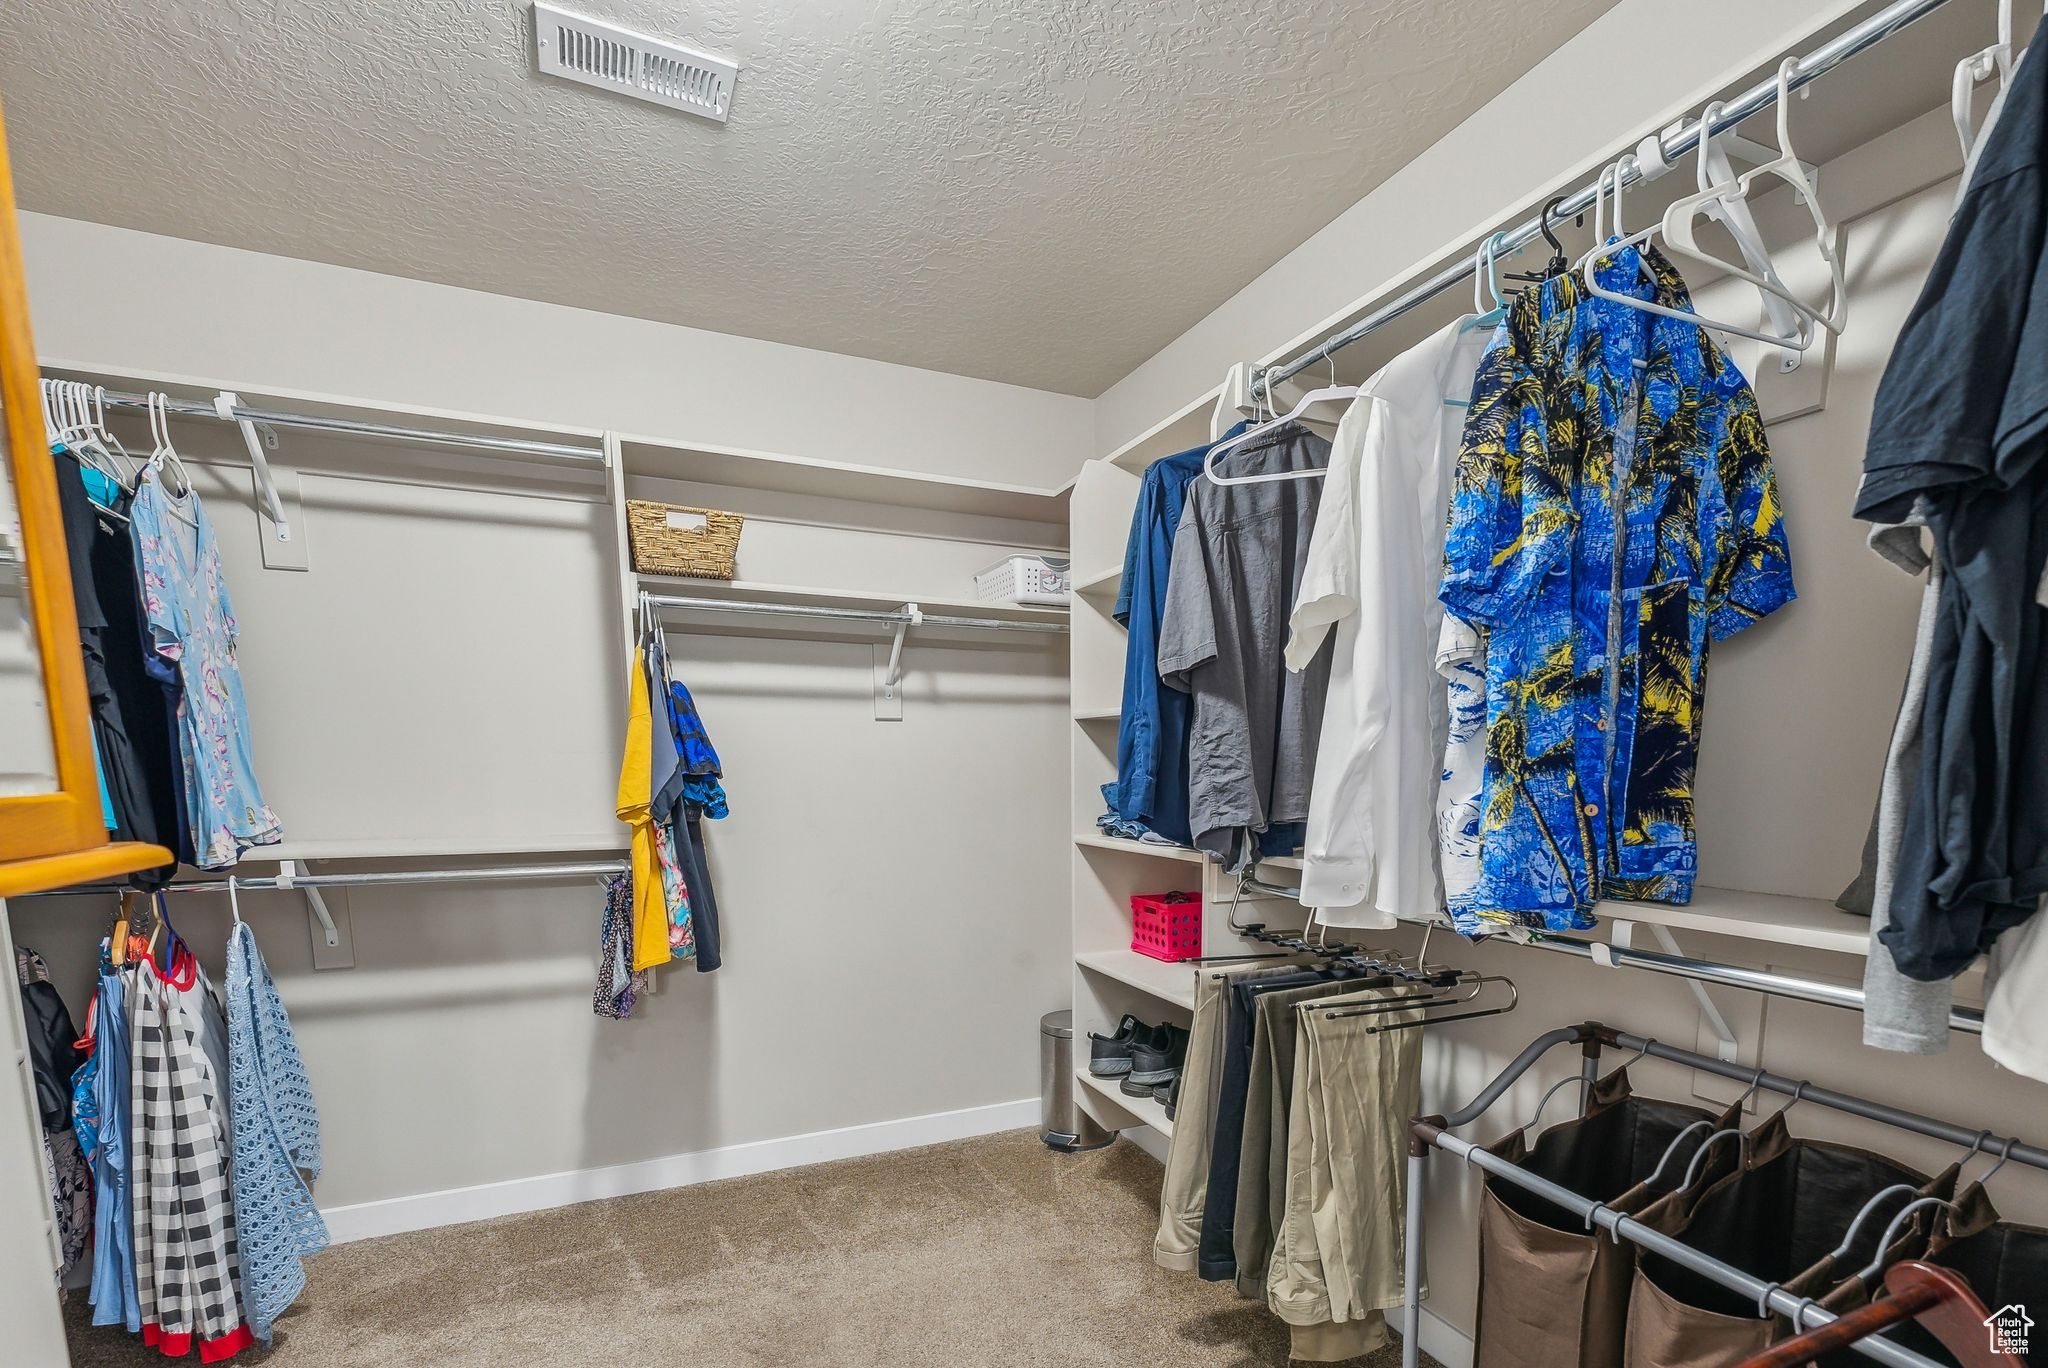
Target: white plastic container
{"points": [[1025, 579]]}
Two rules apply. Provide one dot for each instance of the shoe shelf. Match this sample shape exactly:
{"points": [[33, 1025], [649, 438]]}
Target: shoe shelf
{"points": [[1117, 1112], [1174, 983]]}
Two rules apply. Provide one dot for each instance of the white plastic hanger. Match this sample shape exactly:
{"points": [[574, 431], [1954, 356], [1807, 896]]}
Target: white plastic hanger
{"points": [[1486, 273], [1732, 213], [1483, 275], [1996, 60], [1678, 231], [1319, 395], [80, 427], [1680, 222], [163, 457]]}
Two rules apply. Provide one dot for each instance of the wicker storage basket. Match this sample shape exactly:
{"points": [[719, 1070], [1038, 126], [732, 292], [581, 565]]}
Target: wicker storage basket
{"points": [[670, 539]]}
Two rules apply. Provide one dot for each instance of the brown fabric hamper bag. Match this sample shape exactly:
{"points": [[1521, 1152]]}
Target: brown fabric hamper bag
{"points": [[1551, 1293], [1779, 1217]]}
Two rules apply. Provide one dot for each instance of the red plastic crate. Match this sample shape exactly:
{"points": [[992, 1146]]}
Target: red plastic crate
{"points": [[1167, 926]]}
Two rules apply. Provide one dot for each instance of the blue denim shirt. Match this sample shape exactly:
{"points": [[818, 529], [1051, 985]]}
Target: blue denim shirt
{"points": [[1152, 733], [1614, 513]]}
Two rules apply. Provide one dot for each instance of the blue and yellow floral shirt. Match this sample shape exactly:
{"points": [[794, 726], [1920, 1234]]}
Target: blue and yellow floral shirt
{"points": [[1614, 511]]}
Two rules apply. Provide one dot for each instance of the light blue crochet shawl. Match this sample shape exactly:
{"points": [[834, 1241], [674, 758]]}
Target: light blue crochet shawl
{"points": [[276, 1135]]}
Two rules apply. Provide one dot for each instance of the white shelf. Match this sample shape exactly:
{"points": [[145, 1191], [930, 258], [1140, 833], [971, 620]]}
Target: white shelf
{"points": [[1173, 983], [1769, 917], [1141, 1111], [755, 591], [1100, 715], [736, 466], [1097, 841]]}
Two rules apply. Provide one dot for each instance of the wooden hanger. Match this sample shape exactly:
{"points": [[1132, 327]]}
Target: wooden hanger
{"points": [[1938, 1298]]}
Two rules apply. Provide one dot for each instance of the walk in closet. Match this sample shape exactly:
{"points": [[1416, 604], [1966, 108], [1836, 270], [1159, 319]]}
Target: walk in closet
{"points": [[1024, 685]]}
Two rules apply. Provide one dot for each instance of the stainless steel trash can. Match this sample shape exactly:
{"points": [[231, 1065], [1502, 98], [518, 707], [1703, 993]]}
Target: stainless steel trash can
{"points": [[1061, 1122]]}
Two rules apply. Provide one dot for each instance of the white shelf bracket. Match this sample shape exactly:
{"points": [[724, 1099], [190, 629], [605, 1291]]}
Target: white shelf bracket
{"points": [[889, 674], [1621, 936], [1724, 1035], [316, 905], [225, 403]]}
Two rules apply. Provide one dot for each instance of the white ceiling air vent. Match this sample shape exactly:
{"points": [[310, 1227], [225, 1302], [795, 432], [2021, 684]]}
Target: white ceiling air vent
{"points": [[645, 68]]}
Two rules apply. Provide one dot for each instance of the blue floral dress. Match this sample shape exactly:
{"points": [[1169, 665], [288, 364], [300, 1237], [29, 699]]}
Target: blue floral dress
{"points": [[192, 625]]}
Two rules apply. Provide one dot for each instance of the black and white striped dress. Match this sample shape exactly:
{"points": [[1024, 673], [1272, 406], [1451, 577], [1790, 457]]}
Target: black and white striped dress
{"points": [[185, 1251]]}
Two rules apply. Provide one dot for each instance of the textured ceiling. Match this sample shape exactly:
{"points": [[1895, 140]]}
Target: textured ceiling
{"points": [[1037, 191]]}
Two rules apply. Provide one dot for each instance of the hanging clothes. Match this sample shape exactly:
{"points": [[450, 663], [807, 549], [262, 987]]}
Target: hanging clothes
{"points": [[1338, 1258], [113, 1252], [687, 787], [1183, 1193], [1900, 1013], [619, 985], [636, 809], [186, 1256], [1461, 786], [1370, 580], [664, 784], [1151, 789], [1615, 513], [1235, 574], [193, 626], [53, 1061], [141, 767], [1264, 1173], [275, 1138], [1959, 430]]}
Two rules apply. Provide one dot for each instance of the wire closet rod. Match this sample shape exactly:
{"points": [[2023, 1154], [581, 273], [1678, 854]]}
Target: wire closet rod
{"points": [[480, 874], [1823, 59], [482, 441], [892, 617]]}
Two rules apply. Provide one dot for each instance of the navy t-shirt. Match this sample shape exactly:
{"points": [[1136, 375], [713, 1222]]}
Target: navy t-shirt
{"points": [[1961, 428]]}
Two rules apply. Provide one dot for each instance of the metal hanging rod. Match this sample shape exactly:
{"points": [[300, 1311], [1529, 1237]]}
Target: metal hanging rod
{"points": [[1964, 1019], [1433, 1131], [1823, 59], [894, 617], [480, 874], [481, 441]]}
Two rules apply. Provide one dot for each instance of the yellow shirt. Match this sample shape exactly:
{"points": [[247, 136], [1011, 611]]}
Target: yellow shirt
{"points": [[636, 808]]}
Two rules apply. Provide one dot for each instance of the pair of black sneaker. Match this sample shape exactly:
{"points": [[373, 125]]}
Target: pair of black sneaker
{"points": [[1146, 1059]]}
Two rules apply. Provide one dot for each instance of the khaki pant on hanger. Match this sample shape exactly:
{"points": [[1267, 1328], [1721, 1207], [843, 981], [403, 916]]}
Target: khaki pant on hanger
{"points": [[1186, 1186], [1337, 1258]]}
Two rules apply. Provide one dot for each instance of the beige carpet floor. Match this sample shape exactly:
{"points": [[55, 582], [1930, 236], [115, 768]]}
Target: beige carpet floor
{"points": [[986, 1253]]}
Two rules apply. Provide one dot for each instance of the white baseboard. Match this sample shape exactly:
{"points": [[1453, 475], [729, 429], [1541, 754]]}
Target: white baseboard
{"points": [[1442, 1341], [453, 1206]]}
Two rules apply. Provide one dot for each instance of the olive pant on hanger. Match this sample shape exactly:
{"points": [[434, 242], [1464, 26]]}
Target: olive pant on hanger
{"points": [[1186, 1186], [1338, 1255]]}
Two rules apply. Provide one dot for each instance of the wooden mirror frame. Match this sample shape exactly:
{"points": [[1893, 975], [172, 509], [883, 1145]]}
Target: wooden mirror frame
{"points": [[48, 840]]}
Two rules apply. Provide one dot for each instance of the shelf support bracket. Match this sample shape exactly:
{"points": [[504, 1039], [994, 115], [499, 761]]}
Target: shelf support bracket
{"points": [[316, 905], [889, 675], [225, 403], [1621, 935]]}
